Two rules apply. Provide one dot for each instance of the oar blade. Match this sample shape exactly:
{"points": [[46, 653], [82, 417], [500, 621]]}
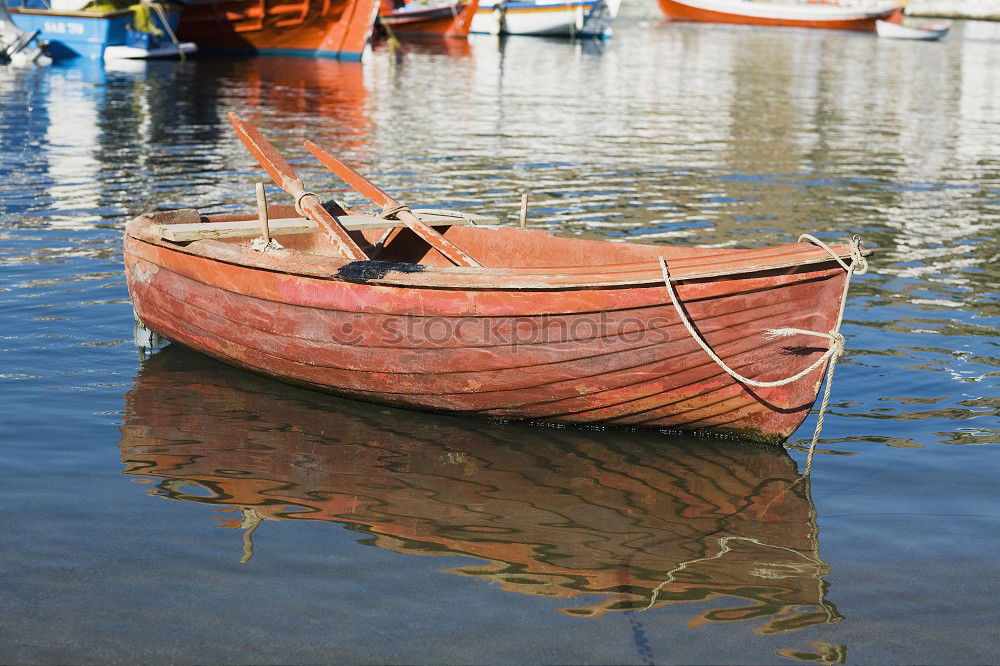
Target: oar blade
{"points": [[274, 164], [371, 192], [367, 188]]}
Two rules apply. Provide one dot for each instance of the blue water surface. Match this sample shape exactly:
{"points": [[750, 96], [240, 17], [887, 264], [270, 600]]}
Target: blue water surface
{"points": [[358, 533]]}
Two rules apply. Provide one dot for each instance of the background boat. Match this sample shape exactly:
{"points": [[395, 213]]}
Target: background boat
{"points": [[326, 28], [826, 15], [436, 21], [86, 33], [897, 26], [549, 18]]}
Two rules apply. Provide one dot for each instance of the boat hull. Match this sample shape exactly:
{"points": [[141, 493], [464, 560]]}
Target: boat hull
{"points": [[448, 21], [568, 350], [774, 14], [892, 30], [573, 19], [322, 28], [134, 53], [487, 21], [78, 34]]}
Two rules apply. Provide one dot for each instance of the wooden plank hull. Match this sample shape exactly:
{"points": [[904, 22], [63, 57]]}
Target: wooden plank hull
{"points": [[743, 12], [608, 522], [324, 28], [446, 21], [570, 353]]}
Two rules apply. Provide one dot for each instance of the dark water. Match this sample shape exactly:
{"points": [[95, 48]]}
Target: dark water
{"points": [[375, 535]]}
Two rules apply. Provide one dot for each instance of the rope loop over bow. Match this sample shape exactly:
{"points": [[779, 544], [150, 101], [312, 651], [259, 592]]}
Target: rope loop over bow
{"points": [[835, 348]]}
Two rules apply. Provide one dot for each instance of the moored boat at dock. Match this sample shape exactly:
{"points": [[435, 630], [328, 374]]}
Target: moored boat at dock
{"points": [[827, 15], [547, 18], [324, 28], [441, 313], [898, 26], [86, 30], [435, 21]]}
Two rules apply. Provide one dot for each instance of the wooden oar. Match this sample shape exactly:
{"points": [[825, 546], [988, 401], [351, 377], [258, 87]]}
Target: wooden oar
{"points": [[284, 177], [371, 192]]}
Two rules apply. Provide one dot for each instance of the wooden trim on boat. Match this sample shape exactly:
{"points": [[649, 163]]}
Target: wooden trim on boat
{"points": [[559, 329], [193, 231], [726, 262]]}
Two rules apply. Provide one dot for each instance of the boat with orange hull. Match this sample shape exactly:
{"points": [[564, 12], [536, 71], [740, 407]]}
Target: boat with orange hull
{"points": [[827, 15], [323, 28], [447, 21], [441, 312]]}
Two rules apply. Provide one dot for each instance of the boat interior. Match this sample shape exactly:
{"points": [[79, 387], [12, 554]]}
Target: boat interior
{"points": [[490, 243]]}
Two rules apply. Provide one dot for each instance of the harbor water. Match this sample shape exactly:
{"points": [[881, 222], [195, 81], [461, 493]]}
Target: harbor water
{"points": [[166, 508]]}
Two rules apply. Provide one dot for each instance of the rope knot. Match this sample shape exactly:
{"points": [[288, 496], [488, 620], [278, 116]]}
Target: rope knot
{"points": [[392, 212], [837, 342], [298, 202]]}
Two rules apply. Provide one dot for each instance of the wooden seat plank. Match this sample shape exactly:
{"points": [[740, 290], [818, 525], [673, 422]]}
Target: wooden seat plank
{"points": [[186, 232]]}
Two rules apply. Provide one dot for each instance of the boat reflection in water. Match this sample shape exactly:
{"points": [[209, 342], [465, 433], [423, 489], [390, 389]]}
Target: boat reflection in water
{"points": [[640, 521], [289, 88]]}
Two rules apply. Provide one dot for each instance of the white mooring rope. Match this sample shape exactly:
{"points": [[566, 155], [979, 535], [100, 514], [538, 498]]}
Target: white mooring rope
{"points": [[857, 266]]}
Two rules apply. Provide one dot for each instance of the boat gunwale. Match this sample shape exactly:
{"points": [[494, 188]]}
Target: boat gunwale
{"points": [[782, 11], [482, 278], [436, 13], [31, 11]]}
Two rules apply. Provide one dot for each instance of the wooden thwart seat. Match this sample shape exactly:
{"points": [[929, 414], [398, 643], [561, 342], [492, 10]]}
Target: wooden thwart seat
{"points": [[186, 232]]}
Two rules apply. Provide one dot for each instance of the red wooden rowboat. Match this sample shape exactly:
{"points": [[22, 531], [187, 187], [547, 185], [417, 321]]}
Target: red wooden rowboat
{"points": [[827, 15], [546, 328], [447, 20]]}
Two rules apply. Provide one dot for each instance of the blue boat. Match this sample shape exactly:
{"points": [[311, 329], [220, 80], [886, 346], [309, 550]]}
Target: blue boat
{"points": [[81, 34]]}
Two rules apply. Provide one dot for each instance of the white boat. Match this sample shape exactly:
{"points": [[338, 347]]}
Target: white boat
{"points": [[830, 15], [906, 30], [553, 18], [167, 50]]}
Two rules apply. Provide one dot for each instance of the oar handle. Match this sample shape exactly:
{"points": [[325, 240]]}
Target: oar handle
{"points": [[371, 192], [436, 240], [274, 164], [284, 176]]}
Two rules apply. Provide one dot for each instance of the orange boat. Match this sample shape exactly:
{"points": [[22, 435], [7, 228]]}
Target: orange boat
{"points": [[828, 15], [325, 28], [437, 311], [448, 20], [606, 522]]}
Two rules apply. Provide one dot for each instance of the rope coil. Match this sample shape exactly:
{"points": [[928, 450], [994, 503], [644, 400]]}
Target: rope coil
{"points": [[835, 350]]}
